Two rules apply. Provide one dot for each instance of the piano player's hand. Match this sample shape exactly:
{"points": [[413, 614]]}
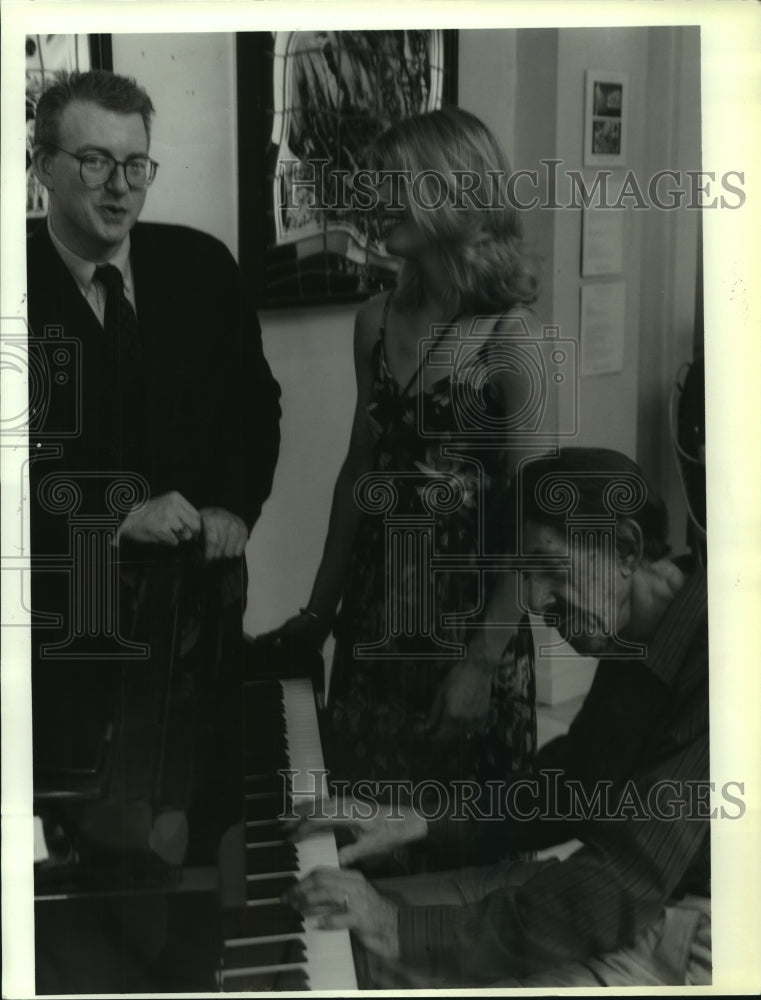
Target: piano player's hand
{"points": [[377, 828], [345, 900]]}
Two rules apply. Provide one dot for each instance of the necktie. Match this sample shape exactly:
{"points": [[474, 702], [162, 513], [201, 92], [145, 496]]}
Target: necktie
{"points": [[123, 414], [120, 321]]}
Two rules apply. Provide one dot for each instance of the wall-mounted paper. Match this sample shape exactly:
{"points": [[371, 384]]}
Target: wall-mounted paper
{"points": [[602, 242], [603, 310]]}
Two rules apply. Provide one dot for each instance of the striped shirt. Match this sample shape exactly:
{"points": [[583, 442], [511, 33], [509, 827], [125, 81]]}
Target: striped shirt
{"points": [[629, 779]]}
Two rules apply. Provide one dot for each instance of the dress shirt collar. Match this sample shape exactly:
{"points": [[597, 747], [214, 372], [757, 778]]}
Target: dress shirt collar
{"points": [[83, 270], [683, 617]]}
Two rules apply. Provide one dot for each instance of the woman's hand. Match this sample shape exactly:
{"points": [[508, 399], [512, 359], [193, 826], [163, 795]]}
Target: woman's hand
{"points": [[377, 827], [299, 641], [303, 629], [345, 899], [461, 704]]}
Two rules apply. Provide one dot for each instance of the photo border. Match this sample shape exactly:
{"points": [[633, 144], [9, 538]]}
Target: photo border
{"points": [[731, 108]]}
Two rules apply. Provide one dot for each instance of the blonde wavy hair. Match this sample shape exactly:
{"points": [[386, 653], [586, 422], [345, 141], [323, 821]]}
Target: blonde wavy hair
{"points": [[481, 247]]}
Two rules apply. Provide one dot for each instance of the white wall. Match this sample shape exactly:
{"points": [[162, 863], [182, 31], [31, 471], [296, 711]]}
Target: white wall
{"points": [[608, 413], [191, 80], [310, 352], [487, 81], [669, 260]]}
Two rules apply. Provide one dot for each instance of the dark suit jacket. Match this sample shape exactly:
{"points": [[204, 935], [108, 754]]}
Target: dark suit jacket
{"points": [[209, 414], [205, 422]]}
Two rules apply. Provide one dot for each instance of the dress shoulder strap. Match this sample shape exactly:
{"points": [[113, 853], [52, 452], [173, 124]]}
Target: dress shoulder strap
{"points": [[384, 317]]}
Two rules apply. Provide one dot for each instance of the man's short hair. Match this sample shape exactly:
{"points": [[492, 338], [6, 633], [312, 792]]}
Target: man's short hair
{"points": [[109, 90], [582, 482]]}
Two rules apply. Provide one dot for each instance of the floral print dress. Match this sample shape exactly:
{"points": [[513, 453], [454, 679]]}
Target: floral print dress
{"points": [[430, 509]]}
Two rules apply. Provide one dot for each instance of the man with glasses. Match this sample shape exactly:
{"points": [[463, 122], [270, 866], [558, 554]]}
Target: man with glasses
{"points": [[164, 425]]}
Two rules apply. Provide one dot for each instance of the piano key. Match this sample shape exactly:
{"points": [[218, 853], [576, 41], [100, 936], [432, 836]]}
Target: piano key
{"points": [[257, 955], [282, 734], [260, 831], [269, 888], [264, 807], [273, 784], [265, 858], [266, 752], [250, 922]]}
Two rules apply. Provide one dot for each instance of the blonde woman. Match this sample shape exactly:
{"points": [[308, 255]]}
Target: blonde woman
{"points": [[404, 704]]}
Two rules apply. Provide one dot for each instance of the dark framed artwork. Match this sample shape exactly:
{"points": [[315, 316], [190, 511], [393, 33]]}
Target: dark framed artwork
{"points": [[47, 55], [309, 105]]}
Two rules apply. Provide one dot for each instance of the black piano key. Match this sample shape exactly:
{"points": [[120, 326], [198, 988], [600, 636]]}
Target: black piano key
{"points": [[263, 860], [266, 748], [266, 755], [264, 832], [266, 807], [272, 722], [275, 808], [264, 734], [266, 784], [264, 703], [265, 730], [260, 921], [253, 956], [264, 688], [292, 981], [269, 888]]}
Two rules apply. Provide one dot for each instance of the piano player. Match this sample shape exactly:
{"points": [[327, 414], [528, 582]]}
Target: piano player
{"points": [[631, 906]]}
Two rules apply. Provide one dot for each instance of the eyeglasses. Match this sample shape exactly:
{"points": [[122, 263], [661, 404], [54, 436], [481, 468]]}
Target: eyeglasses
{"points": [[96, 169]]}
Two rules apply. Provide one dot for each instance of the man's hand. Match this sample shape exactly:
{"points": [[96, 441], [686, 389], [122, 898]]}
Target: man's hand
{"points": [[165, 520], [346, 900], [225, 534], [462, 700], [377, 829]]}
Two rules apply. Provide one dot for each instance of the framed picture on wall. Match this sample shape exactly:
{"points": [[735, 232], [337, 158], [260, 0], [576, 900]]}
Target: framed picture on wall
{"points": [[605, 118], [310, 104], [47, 55]]}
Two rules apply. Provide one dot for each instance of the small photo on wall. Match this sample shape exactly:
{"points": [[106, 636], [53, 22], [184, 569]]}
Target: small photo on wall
{"points": [[605, 118]]}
